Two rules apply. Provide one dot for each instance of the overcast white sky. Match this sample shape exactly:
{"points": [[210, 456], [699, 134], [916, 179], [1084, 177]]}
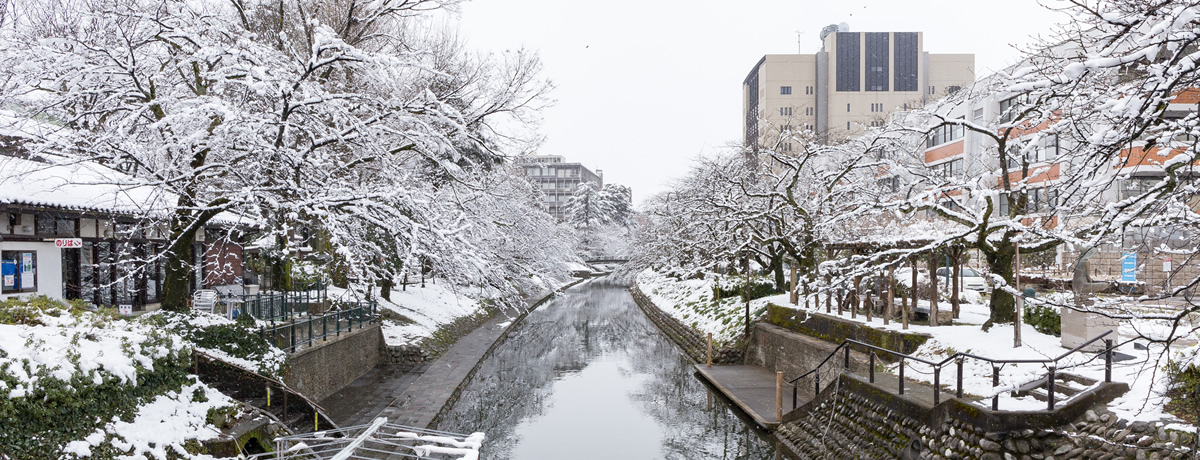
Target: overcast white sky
{"points": [[645, 87]]}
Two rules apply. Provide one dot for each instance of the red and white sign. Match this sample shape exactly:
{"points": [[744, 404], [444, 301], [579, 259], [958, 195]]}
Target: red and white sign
{"points": [[66, 243]]}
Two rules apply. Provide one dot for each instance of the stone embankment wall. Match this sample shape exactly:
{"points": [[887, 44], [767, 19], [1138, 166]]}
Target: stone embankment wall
{"points": [[853, 419], [689, 340], [326, 367]]}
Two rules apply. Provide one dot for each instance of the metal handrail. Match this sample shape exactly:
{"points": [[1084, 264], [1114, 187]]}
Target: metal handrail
{"points": [[958, 358], [364, 313]]}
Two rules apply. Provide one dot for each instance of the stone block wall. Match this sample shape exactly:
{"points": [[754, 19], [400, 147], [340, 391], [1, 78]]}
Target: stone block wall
{"points": [[323, 369], [689, 340], [853, 420]]}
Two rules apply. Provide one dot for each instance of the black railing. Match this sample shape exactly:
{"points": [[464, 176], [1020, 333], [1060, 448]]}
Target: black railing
{"points": [[275, 306], [303, 332], [958, 359]]}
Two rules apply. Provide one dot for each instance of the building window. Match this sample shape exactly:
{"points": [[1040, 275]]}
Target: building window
{"points": [[786, 111], [978, 115], [847, 61], [953, 89], [932, 90], [847, 107], [847, 126], [808, 90], [1137, 186], [1011, 106], [877, 61], [18, 272], [785, 90], [905, 61], [808, 111], [943, 134]]}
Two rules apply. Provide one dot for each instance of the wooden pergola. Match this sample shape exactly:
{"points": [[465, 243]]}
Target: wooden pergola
{"points": [[911, 249]]}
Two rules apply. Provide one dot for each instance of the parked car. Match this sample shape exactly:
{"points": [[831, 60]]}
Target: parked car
{"points": [[968, 278]]}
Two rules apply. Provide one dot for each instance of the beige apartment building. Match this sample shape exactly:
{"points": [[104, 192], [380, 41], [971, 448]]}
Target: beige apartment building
{"points": [[557, 179], [852, 83]]}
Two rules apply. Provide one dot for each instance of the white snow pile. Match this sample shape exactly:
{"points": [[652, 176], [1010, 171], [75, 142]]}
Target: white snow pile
{"points": [[61, 345], [160, 428], [429, 307], [691, 302], [57, 362]]}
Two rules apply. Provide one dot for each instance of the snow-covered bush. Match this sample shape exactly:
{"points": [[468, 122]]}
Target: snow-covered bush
{"points": [[238, 342], [65, 372]]}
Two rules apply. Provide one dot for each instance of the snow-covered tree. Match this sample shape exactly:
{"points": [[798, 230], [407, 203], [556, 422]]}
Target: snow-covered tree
{"points": [[346, 117]]}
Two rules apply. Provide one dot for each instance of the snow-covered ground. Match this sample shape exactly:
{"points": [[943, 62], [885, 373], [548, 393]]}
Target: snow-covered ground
{"points": [[429, 307], [691, 302]]}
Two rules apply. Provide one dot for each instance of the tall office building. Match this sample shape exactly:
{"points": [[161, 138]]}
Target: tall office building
{"points": [[853, 82], [557, 179]]}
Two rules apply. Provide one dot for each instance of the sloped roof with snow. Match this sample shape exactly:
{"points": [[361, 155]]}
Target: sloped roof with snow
{"points": [[78, 186]]}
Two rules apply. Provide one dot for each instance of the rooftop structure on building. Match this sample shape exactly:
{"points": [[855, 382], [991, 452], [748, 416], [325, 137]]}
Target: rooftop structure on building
{"points": [[852, 83], [557, 179]]}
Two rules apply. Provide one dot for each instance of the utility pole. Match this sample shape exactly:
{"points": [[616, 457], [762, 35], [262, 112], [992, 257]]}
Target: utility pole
{"points": [[1020, 299], [746, 291]]}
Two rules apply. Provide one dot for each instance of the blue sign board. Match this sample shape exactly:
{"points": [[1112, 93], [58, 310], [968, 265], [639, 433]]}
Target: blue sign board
{"points": [[1129, 267]]}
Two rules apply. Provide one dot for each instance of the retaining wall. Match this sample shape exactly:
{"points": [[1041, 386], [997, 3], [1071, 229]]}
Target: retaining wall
{"points": [[326, 367], [854, 419], [693, 344]]}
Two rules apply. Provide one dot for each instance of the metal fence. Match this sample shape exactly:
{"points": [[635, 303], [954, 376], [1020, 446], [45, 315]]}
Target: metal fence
{"points": [[303, 329], [275, 306]]}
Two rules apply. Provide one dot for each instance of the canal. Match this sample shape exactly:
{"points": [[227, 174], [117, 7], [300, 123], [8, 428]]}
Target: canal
{"points": [[587, 376]]}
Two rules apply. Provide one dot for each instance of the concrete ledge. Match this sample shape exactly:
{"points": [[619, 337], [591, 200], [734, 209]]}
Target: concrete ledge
{"points": [[750, 388], [834, 329]]}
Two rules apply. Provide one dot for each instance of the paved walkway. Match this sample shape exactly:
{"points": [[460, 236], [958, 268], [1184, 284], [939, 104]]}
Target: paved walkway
{"points": [[418, 404], [362, 400], [414, 397]]}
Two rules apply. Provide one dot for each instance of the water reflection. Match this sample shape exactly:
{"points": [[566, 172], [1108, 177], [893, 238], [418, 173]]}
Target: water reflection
{"points": [[588, 376]]}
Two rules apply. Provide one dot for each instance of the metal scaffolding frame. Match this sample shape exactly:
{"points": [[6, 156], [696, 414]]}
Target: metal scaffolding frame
{"points": [[377, 440]]}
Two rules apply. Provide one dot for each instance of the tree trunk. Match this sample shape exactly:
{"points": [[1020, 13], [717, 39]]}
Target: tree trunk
{"points": [[777, 268], [933, 289], [177, 262], [1000, 262], [956, 260]]}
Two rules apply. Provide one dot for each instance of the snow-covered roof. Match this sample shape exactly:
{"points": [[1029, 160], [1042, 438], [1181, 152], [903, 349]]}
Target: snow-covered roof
{"points": [[78, 186], [894, 233], [83, 186]]}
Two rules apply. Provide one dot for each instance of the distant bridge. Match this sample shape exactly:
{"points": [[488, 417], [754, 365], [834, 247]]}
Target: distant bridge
{"points": [[606, 261]]}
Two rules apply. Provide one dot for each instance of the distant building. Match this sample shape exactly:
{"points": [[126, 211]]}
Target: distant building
{"points": [[854, 81], [557, 179]]}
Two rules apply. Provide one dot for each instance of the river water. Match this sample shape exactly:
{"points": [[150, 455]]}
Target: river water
{"points": [[587, 376]]}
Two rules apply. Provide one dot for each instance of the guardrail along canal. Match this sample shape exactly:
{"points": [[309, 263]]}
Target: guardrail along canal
{"points": [[587, 376]]}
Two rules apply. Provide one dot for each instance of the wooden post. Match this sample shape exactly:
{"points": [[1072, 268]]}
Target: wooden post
{"points": [[855, 302], [868, 305], [709, 349], [828, 294], [794, 295], [956, 260], [933, 287], [913, 291], [778, 396], [891, 296]]}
